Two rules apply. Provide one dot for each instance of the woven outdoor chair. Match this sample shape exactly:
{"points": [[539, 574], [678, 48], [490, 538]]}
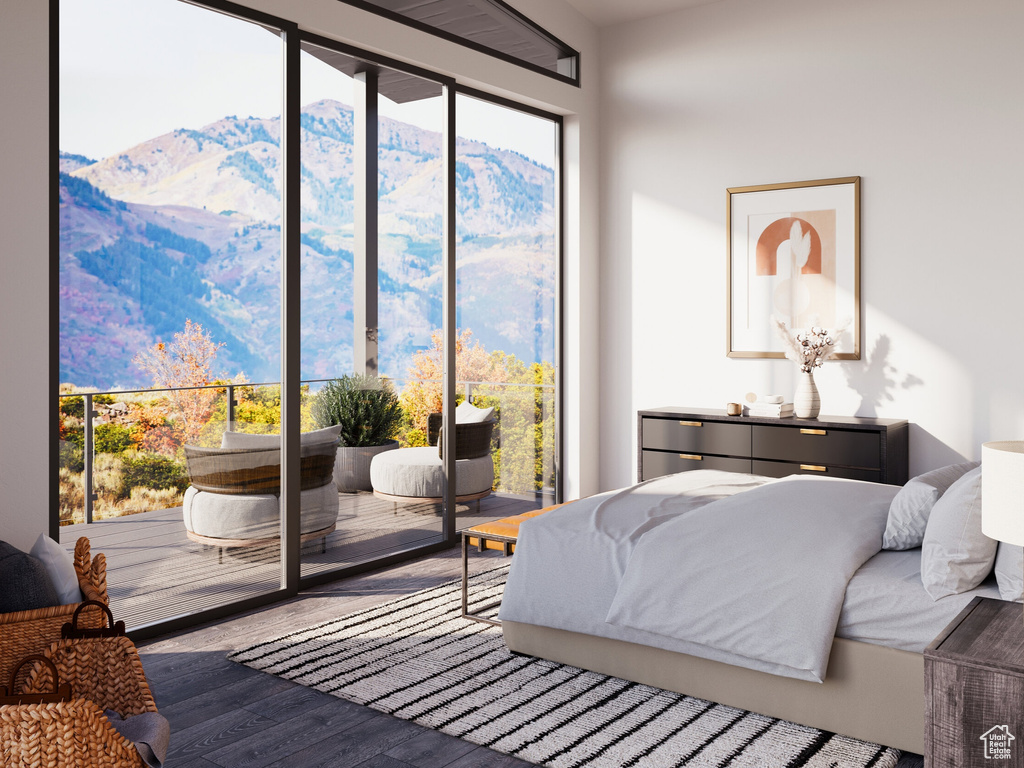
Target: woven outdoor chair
{"points": [[472, 440], [234, 497], [417, 474], [243, 471], [24, 633]]}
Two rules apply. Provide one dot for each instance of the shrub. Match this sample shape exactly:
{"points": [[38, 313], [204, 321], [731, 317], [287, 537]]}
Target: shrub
{"points": [[72, 457], [148, 499], [150, 470], [107, 477], [112, 438], [76, 437], [73, 406], [366, 407], [71, 497]]}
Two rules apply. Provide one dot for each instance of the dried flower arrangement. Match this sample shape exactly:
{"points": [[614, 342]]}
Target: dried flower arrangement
{"points": [[809, 349]]}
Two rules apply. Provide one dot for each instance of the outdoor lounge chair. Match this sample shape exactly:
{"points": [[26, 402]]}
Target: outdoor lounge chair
{"points": [[417, 474], [235, 496]]}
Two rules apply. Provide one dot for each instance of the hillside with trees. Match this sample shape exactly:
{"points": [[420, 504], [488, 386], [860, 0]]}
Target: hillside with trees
{"points": [[187, 225]]}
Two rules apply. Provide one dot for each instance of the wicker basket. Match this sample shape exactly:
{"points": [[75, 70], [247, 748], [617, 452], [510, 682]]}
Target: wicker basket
{"points": [[26, 632], [70, 733], [104, 673]]}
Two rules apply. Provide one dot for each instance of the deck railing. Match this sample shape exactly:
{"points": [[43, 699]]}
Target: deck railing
{"points": [[90, 414]]}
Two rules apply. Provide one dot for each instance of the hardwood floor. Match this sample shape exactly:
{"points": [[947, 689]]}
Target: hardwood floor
{"points": [[154, 572], [226, 714]]}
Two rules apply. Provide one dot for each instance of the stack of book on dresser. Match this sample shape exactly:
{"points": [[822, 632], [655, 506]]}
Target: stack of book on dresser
{"points": [[770, 407]]}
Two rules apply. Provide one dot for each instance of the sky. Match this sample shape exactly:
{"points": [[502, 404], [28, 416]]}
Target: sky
{"points": [[132, 70]]}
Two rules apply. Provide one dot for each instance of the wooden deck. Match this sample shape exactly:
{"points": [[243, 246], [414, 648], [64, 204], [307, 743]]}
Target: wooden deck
{"points": [[155, 573]]}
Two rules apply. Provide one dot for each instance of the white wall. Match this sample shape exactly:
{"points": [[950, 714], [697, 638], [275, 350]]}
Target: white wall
{"points": [[24, 262], [24, 272], [922, 99]]}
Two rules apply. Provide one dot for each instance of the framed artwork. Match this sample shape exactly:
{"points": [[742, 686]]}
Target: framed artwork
{"points": [[794, 252]]}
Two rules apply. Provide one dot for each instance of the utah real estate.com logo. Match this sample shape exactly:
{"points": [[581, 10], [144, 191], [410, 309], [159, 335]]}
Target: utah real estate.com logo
{"points": [[998, 742]]}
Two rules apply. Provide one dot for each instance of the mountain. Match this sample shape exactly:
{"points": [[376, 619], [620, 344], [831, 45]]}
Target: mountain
{"points": [[187, 225], [70, 162]]}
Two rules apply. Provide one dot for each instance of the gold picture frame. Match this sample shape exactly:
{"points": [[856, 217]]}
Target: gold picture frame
{"points": [[793, 251]]}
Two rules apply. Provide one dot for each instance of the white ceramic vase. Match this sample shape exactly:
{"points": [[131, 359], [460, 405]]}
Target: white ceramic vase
{"points": [[806, 403]]}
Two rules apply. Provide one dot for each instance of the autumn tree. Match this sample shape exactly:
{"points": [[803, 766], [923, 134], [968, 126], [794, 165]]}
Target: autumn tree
{"points": [[183, 367], [423, 394], [522, 397]]}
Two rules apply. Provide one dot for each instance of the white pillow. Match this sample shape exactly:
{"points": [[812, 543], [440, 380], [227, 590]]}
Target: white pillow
{"points": [[467, 413], [324, 435], [956, 556], [908, 513], [59, 567], [248, 440], [1010, 571]]}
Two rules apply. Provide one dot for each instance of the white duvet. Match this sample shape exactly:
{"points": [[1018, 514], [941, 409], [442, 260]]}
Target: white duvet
{"points": [[689, 564]]}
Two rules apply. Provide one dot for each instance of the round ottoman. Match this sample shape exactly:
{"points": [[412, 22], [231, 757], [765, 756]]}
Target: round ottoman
{"points": [[240, 519], [417, 473]]}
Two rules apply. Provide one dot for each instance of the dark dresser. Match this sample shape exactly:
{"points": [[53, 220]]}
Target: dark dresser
{"points": [[679, 439]]}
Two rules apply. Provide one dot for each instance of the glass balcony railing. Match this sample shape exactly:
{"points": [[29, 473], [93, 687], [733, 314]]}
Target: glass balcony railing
{"points": [[121, 451]]}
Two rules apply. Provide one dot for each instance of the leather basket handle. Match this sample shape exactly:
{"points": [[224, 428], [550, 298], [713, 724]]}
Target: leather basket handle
{"points": [[61, 691], [71, 630]]}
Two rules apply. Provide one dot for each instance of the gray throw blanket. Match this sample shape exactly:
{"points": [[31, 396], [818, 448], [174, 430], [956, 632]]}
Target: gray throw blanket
{"points": [[760, 575], [149, 731]]}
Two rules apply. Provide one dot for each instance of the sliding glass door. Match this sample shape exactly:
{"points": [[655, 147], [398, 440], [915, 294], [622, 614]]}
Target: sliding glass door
{"points": [[170, 302], [372, 299], [207, 233], [507, 273]]}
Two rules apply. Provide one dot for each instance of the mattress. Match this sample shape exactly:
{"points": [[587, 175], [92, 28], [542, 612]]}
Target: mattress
{"points": [[886, 603]]}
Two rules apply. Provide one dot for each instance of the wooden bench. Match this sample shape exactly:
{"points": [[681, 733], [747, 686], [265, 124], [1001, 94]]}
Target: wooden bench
{"points": [[497, 534]]}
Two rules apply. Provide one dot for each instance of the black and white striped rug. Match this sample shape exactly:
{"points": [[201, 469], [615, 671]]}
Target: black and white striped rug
{"points": [[415, 658]]}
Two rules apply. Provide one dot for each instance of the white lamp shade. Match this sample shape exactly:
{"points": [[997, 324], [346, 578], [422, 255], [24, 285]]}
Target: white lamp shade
{"points": [[1002, 491]]}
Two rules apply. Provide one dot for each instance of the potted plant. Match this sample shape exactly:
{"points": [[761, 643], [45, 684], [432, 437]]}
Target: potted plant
{"points": [[369, 414]]}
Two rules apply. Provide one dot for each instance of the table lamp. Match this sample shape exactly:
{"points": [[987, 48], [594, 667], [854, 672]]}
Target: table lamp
{"points": [[1002, 491]]}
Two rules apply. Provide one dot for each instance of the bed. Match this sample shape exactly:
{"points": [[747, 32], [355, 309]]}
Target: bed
{"points": [[769, 595]]}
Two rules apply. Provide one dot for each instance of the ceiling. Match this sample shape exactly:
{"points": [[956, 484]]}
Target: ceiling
{"points": [[490, 25], [606, 12]]}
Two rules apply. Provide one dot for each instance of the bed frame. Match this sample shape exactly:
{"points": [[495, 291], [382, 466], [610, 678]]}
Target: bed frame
{"points": [[870, 692]]}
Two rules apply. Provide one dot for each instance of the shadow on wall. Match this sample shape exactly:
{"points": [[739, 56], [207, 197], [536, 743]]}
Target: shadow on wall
{"points": [[928, 452], [876, 379]]}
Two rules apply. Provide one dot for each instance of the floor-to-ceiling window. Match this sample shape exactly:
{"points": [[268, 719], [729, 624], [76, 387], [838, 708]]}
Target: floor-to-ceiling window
{"points": [[414, 250], [372, 298], [170, 299], [507, 274]]}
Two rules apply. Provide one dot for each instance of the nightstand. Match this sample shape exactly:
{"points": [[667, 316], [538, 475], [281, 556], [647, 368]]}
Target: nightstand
{"points": [[974, 689]]}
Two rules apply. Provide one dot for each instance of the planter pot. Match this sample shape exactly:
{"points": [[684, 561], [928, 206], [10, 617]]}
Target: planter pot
{"points": [[352, 466], [806, 402]]}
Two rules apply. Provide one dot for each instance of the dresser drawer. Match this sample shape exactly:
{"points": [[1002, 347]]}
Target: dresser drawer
{"points": [[658, 463], [817, 446], [784, 468], [696, 436]]}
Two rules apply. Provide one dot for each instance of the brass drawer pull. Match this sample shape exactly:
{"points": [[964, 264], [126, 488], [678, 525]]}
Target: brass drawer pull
{"points": [[691, 423], [813, 432], [813, 468], [691, 456]]}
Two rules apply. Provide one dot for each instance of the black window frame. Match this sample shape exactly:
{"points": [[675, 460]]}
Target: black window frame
{"points": [[292, 581]]}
